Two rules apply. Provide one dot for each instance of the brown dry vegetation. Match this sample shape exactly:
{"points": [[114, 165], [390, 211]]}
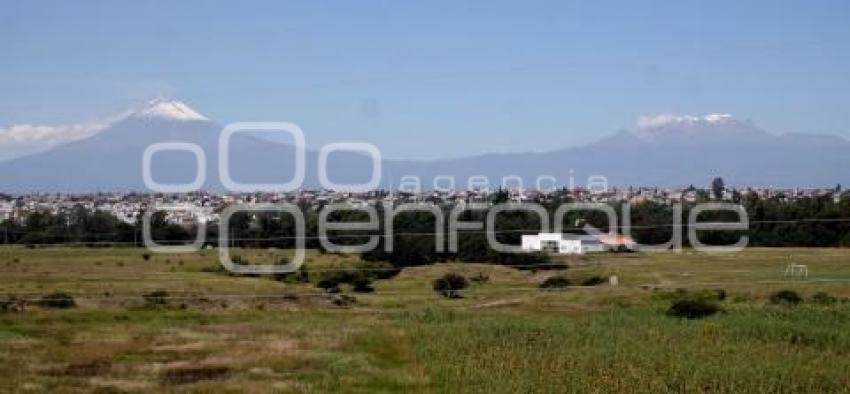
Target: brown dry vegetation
{"points": [[224, 333]]}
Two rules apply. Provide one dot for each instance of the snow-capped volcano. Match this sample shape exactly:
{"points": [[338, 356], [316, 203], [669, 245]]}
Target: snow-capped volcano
{"points": [[662, 150], [167, 109], [20, 140], [695, 129], [661, 120]]}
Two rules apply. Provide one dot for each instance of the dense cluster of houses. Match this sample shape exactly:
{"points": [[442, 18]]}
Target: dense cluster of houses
{"points": [[205, 207]]}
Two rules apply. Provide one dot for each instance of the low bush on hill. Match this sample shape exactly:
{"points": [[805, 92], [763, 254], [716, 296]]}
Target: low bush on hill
{"points": [[822, 298], [555, 282], [359, 281], [695, 304], [158, 297], [450, 285], [693, 308], [785, 297], [57, 300]]}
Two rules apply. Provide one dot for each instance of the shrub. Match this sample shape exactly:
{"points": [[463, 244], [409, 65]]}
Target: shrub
{"points": [[158, 297], [555, 282], [787, 297], [450, 284], [362, 284], [344, 300], [80, 370], [57, 300], [186, 375], [594, 280], [146, 256], [329, 283], [823, 298], [695, 304], [13, 304], [693, 308], [359, 281]]}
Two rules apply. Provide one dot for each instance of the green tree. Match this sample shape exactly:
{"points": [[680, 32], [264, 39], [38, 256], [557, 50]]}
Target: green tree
{"points": [[717, 187]]}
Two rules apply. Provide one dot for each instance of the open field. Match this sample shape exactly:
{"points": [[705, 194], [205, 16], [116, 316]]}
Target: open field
{"points": [[258, 335]]}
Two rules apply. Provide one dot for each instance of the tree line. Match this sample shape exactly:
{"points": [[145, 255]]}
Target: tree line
{"points": [[804, 222]]}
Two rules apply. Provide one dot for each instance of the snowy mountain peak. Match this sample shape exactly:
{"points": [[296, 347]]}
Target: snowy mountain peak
{"points": [[168, 109], [696, 129], [663, 120]]}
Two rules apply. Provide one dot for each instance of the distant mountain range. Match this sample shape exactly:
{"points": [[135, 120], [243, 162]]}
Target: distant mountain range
{"points": [[665, 150]]}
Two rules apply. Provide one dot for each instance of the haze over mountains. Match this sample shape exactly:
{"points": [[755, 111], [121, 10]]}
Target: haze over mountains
{"points": [[664, 150]]}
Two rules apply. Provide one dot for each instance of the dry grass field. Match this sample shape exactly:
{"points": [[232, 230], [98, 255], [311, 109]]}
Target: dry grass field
{"points": [[216, 332]]}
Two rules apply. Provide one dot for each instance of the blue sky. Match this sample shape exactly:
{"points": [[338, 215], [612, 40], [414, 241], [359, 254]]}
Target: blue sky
{"points": [[433, 79]]}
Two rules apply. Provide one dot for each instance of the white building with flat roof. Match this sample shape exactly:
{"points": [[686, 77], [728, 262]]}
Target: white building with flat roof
{"points": [[562, 243], [7, 210]]}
